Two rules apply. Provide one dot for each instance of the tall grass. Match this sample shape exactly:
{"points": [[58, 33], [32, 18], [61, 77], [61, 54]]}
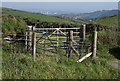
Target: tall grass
{"points": [[111, 33], [22, 66], [12, 24]]}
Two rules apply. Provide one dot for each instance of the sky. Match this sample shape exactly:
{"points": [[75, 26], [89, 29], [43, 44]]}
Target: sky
{"points": [[70, 7], [60, 1]]}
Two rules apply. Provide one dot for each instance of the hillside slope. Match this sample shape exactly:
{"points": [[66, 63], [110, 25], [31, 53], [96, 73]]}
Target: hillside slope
{"points": [[93, 15], [12, 24], [112, 33], [14, 20], [98, 14], [108, 21], [38, 16]]}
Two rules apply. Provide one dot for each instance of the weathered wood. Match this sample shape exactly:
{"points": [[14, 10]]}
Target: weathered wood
{"points": [[86, 56], [73, 32], [56, 28], [75, 51], [83, 33], [67, 45], [83, 39], [57, 38], [70, 42], [94, 43], [29, 37], [34, 44], [26, 38], [26, 42]]}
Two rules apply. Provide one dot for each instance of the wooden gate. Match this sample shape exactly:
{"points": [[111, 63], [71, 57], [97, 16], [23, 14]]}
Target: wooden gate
{"points": [[63, 41]]}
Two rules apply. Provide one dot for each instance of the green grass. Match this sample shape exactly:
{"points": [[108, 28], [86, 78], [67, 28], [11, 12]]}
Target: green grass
{"points": [[34, 16], [111, 34], [22, 66], [12, 24], [108, 21], [0, 61]]}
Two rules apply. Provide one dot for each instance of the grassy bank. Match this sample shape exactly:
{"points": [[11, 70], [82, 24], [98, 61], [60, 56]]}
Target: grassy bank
{"points": [[12, 24], [108, 21], [22, 66]]}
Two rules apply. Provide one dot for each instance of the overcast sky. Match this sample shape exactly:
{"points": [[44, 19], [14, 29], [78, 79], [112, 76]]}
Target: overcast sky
{"points": [[60, 0], [76, 7]]}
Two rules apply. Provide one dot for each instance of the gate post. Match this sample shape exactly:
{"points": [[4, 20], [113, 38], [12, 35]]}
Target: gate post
{"points": [[94, 43], [26, 38], [33, 43], [83, 33], [70, 42], [29, 37], [83, 39], [67, 45]]}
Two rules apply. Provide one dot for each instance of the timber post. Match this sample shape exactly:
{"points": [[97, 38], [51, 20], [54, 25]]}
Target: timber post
{"points": [[70, 42], [33, 43], [67, 45], [84, 31], [83, 38], [26, 38], [94, 45], [29, 37]]}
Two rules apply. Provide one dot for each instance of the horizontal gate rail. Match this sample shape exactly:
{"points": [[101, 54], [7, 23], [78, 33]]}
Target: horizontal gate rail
{"points": [[56, 28], [50, 33], [52, 51], [56, 46], [54, 40], [57, 37], [49, 43]]}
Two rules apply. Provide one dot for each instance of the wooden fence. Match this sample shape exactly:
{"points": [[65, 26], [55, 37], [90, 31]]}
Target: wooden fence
{"points": [[36, 37]]}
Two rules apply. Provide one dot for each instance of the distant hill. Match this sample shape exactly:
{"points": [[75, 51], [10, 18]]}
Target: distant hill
{"points": [[38, 16], [31, 15], [80, 21], [93, 15]]}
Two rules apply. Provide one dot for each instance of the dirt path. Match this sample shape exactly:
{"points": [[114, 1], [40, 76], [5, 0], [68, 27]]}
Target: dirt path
{"points": [[116, 64]]}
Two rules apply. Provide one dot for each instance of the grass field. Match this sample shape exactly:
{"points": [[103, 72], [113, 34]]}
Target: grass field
{"points": [[22, 66], [108, 21]]}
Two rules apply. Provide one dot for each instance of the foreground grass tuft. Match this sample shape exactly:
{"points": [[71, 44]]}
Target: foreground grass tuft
{"points": [[22, 66]]}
